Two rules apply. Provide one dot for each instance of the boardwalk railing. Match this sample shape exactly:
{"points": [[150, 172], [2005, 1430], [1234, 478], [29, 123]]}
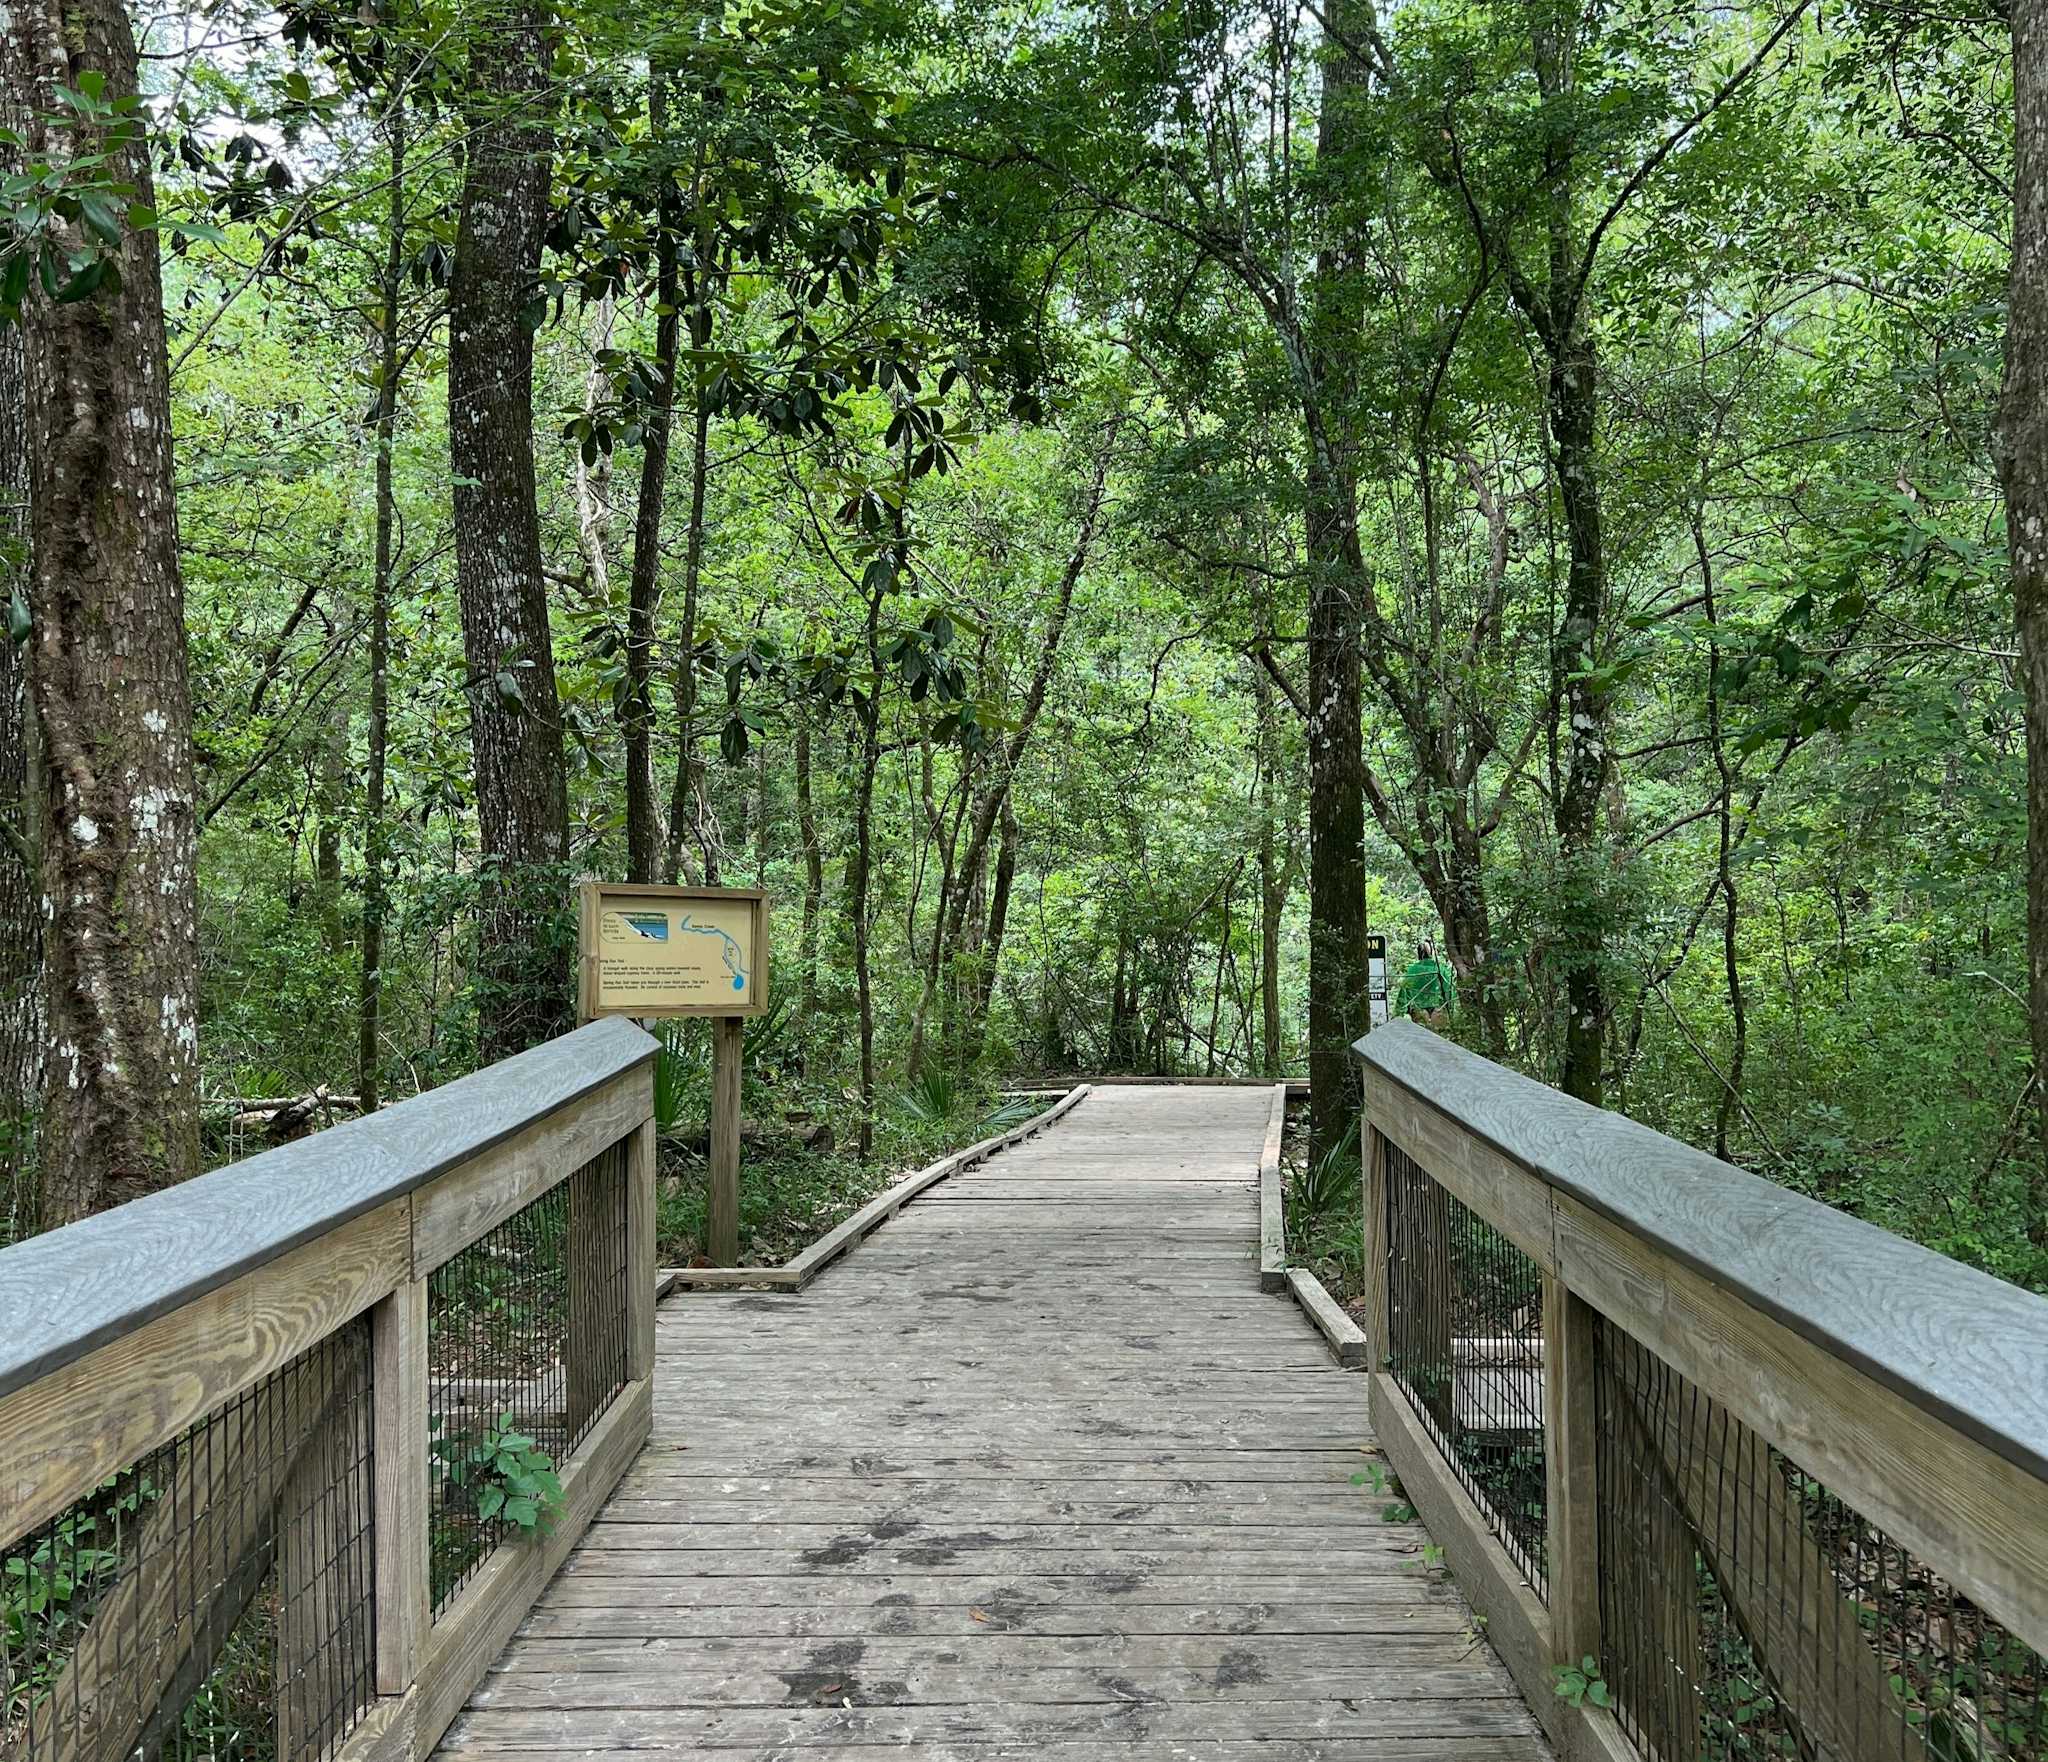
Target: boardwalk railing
{"points": [[1727, 1472], [287, 1452]]}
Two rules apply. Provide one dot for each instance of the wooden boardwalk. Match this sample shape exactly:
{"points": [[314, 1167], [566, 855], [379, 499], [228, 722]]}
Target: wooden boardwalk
{"points": [[1035, 1473]]}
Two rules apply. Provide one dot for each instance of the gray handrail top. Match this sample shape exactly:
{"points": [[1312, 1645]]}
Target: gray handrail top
{"points": [[69, 1290], [1958, 1343]]}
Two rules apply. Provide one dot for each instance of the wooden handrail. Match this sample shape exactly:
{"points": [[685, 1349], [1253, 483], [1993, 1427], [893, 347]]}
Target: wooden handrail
{"points": [[1964, 1346], [1914, 1389], [69, 1290], [128, 1329]]}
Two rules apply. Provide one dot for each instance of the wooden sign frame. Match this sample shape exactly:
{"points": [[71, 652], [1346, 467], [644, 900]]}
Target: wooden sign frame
{"points": [[596, 897]]}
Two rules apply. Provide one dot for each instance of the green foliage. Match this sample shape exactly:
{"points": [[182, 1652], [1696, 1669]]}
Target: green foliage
{"points": [[1581, 1684], [675, 1076], [505, 1475]]}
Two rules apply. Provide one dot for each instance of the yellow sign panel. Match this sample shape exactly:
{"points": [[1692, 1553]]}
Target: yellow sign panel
{"points": [[673, 951]]}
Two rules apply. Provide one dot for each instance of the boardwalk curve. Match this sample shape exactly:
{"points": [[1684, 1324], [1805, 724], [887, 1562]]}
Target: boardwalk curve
{"points": [[1036, 1471]]}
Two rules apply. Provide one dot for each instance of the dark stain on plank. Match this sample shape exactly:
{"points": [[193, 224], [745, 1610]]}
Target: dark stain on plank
{"points": [[840, 1551], [1238, 1669], [944, 1550]]}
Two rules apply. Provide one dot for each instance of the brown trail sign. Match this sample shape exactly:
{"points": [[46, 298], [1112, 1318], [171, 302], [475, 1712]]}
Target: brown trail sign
{"points": [[684, 951]]}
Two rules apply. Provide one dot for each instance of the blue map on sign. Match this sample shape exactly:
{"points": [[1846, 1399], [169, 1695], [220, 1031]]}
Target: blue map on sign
{"points": [[734, 959]]}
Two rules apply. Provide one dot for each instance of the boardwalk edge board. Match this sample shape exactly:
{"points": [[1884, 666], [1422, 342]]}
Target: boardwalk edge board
{"points": [[801, 1268], [1272, 1213], [1345, 1338]]}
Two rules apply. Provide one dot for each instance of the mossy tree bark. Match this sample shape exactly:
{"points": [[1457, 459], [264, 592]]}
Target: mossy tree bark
{"points": [[107, 665], [515, 717]]}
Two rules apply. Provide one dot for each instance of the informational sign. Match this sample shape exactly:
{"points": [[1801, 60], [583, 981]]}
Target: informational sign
{"points": [[1376, 978], [673, 951]]}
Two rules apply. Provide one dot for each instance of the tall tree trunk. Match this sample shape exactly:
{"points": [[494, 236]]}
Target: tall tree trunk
{"points": [[975, 1029], [107, 672], [1041, 679], [514, 716], [1468, 930], [1337, 1005], [376, 834], [687, 806], [594, 476], [331, 809], [1272, 883], [1562, 322], [643, 596], [1731, 904], [814, 873], [2023, 466], [862, 867], [1588, 763], [22, 1036]]}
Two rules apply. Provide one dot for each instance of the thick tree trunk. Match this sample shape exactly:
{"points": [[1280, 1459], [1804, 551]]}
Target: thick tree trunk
{"points": [[643, 594], [107, 674], [515, 719], [22, 1036], [2023, 465], [1337, 1002], [376, 834]]}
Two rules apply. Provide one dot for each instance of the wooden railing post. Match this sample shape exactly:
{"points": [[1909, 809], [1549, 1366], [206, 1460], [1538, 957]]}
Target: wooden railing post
{"points": [[398, 1351], [1572, 1550], [640, 1228], [1378, 1342]]}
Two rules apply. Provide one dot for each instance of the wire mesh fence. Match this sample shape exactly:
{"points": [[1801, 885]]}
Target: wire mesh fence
{"points": [[1465, 1341], [526, 1346], [1746, 1611], [213, 1600]]}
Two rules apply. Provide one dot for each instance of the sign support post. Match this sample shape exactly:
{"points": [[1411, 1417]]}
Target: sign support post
{"points": [[728, 1036], [685, 951]]}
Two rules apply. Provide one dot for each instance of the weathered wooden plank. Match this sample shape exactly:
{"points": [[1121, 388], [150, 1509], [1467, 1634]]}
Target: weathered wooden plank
{"points": [[1346, 1339], [1412, 1605], [645, 1286], [1272, 1227], [1570, 1440], [1509, 1197], [1399, 1747], [1113, 1720], [72, 1290], [65, 1433], [470, 1202], [398, 1444]]}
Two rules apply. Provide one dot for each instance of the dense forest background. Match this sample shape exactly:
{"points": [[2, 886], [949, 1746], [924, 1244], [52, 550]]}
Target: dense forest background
{"points": [[1094, 507]]}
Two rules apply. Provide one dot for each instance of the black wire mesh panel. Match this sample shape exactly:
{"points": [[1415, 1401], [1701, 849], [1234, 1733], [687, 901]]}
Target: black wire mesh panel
{"points": [[1746, 1611], [526, 1346], [215, 1599], [1465, 1340]]}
